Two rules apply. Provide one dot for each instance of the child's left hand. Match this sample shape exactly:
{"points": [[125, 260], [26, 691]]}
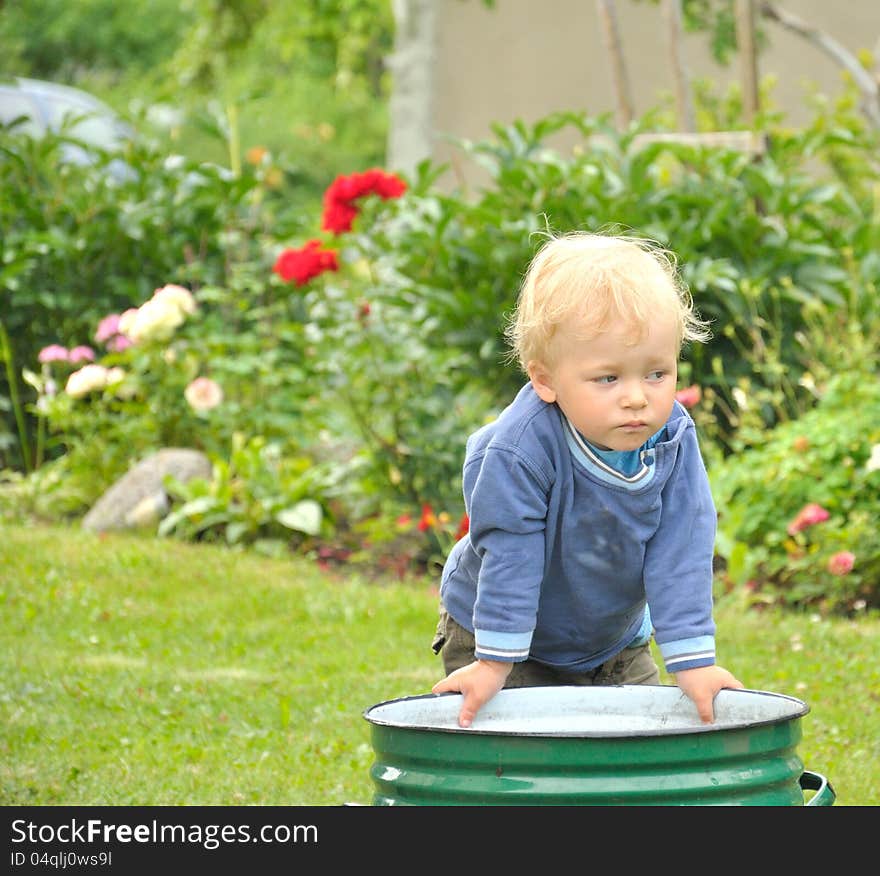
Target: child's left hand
{"points": [[702, 684]]}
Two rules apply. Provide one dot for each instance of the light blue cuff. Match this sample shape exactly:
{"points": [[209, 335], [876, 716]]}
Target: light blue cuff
{"points": [[688, 653], [506, 647]]}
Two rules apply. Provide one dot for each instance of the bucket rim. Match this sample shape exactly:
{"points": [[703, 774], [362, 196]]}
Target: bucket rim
{"points": [[800, 709]]}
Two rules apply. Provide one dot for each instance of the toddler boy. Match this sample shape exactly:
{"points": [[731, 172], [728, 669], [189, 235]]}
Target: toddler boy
{"points": [[587, 497]]}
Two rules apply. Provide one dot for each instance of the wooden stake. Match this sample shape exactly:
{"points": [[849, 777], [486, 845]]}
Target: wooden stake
{"points": [[683, 101], [745, 39], [608, 18]]}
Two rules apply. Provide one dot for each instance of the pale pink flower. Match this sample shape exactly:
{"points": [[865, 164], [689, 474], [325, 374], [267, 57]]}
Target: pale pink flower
{"points": [[53, 353], [841, 563], [689, 396], [82, 354], [108, 328], [808, 516], [203, 394], [111, 335], [118, 343]]}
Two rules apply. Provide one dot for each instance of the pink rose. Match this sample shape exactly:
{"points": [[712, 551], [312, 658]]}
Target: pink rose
{"points": [[82, 354], [118, 343], [53, 353], [689, 396], [203, 394], [108, 327], [841, 563], [808, 516]]}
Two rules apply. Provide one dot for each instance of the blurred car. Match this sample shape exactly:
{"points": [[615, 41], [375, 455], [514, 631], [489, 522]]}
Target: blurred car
{"points": [[37, 106], [40, 106]]}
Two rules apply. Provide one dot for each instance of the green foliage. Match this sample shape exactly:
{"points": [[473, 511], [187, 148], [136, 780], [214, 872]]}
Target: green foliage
{"points": [[385, 377], [81, 242], [383, 367], [336, 40], [240, 339], [57, 39], [830, 457], [258, 496], [762, 243], [717, 20]]}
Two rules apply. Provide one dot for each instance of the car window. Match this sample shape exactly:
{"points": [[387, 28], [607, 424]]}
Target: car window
{"points": [[13, 104], [95, 129]]}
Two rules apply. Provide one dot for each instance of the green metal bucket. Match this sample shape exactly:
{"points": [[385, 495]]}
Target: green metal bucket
{"points": [[592, 746]]}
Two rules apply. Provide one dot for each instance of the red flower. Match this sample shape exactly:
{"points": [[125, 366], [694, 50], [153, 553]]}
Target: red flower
{"points": [[300, 265], [339, 208], [463, 527], [841, 563], [428, 519], [338, 216], [689, 396], [807, 516]]}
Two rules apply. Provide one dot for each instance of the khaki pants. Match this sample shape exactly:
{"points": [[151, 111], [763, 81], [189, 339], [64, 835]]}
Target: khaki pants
{"points": [[631, 666]]}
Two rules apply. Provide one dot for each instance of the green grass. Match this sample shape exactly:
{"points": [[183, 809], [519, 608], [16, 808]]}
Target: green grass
{"points": [[139, 671]]}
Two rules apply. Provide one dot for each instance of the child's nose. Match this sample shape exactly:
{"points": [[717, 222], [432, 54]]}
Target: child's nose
{"points": [[634, 396]]}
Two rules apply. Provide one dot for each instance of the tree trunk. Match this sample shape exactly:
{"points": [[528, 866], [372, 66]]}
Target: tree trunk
{"points": [[410, 138], [620, 81], [748, 61], [683, 99]]}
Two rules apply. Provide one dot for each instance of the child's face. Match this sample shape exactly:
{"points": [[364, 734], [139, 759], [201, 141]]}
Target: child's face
{"points": [[616, 393]]}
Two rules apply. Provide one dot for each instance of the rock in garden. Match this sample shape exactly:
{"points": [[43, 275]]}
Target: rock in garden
{"points": [[139, 497]]}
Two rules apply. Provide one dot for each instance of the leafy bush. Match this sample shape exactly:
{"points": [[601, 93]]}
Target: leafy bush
{"points": [[258, 496], [80, 242], [409, 329], [56, 39], [760, 240], [376, 345], [191, 371], [798, 510]]}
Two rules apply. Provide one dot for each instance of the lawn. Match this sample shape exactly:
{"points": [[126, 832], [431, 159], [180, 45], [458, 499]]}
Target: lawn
{"points": [[139, 671]]}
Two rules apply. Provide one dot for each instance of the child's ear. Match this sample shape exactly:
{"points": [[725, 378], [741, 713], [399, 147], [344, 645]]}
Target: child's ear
{"points": [[542, 381]]}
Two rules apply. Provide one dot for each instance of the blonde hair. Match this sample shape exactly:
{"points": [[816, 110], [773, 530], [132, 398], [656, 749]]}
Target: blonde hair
{"points": [[595, 279]]}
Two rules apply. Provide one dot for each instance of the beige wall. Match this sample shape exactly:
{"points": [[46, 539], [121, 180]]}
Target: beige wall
{"points": [[526, 58]]}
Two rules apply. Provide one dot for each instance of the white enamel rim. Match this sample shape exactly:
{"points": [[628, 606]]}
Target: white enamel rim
{"points": [[589, 712]]}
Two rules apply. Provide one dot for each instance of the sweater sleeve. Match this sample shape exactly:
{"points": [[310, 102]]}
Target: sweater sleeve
{"points": [[508, 512], [678, 564]]}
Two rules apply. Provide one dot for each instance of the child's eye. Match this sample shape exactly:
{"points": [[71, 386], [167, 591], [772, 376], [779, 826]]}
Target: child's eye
{"points": [[656, 375], [606, 379]]}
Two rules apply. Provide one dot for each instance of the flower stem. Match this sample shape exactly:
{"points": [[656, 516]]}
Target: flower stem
{"points": [[6, 353]]}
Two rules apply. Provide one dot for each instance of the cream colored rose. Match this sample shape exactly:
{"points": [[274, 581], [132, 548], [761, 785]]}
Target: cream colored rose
{"points": [[157, 318], [178, 296], [126, 321], [88, 379]]}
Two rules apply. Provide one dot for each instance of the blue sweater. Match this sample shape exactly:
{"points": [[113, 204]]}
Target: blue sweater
{"points": [[564, 551]]}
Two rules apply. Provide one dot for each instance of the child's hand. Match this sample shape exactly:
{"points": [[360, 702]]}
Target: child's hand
{"points": [[702, 684], [479, 682]]}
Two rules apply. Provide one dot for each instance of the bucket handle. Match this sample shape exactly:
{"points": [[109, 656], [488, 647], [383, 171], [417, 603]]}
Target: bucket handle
{"points": [[824, 795]]}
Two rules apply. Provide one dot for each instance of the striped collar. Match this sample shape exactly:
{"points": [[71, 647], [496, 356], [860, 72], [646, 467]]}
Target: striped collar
{"points": [[588, 457]]}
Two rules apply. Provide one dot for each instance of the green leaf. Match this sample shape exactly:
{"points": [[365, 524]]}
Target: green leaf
{"points": [[305, 517]]}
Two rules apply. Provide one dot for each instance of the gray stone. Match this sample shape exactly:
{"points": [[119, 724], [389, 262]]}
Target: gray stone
{"points": [[139, 497]]}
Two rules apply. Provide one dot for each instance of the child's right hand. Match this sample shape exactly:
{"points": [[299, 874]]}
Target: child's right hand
{"points": [[478, 682]]}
